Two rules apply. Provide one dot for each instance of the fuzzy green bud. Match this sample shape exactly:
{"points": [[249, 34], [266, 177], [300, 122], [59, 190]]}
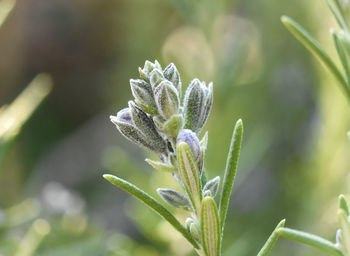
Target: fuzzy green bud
{"points": [[170, 127], [197, 105], [126, 126], [143, 94], [212, 186], [148, 68], [156, 77], [172, 74], [195, 231], [146, 125], [167, 99], [173, 198]]}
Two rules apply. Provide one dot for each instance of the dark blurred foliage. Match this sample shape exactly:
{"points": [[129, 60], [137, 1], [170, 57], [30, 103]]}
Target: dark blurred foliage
{"points": [[294, 157]]}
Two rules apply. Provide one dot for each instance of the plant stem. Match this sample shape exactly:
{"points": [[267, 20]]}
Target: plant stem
{"points": [[309, 239], [265, 250]]}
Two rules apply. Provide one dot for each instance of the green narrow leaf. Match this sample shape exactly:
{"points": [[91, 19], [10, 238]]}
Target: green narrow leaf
{"points": [[313, 46], [230, 172], [309, 239], [340, 8], [265, 250], [345, 230], [161, 166], [210, 227], [337, 12], [342, 55], [343, 204], [190, 174], [152, 203]]}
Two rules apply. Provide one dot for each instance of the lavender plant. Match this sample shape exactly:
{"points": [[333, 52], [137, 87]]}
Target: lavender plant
{"points": [[160, 119], [340, 10]]}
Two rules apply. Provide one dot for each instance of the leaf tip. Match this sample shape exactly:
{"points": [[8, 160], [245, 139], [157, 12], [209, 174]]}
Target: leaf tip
{"points": [[108, 177], [239, 122], [182, 144], [285, 19], [342, 198], [281, 224], [343, 204], [182, 147], [239, 125], [207, 199]]}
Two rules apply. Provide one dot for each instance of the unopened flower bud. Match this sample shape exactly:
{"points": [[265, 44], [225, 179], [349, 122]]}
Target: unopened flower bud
{"points": [[193, 227], [191, 139], [197, 105], [173, 198], [126, 127], [146, 125], [148, 68], [172, 126], [143, 94], [188, 223], [156, 77], [195, 231], [172, 74], [167, 99], [212, 186]]}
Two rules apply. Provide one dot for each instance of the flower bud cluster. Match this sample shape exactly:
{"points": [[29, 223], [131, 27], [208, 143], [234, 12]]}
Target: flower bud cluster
{"points": [[157, 116], [164, 121]]}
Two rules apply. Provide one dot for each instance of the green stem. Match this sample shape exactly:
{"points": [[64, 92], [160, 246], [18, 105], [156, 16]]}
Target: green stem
{"points": [[265, 250], [312, 240]]}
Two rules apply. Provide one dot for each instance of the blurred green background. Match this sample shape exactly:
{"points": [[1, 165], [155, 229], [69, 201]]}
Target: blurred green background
{"points": [[53, 199]]}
